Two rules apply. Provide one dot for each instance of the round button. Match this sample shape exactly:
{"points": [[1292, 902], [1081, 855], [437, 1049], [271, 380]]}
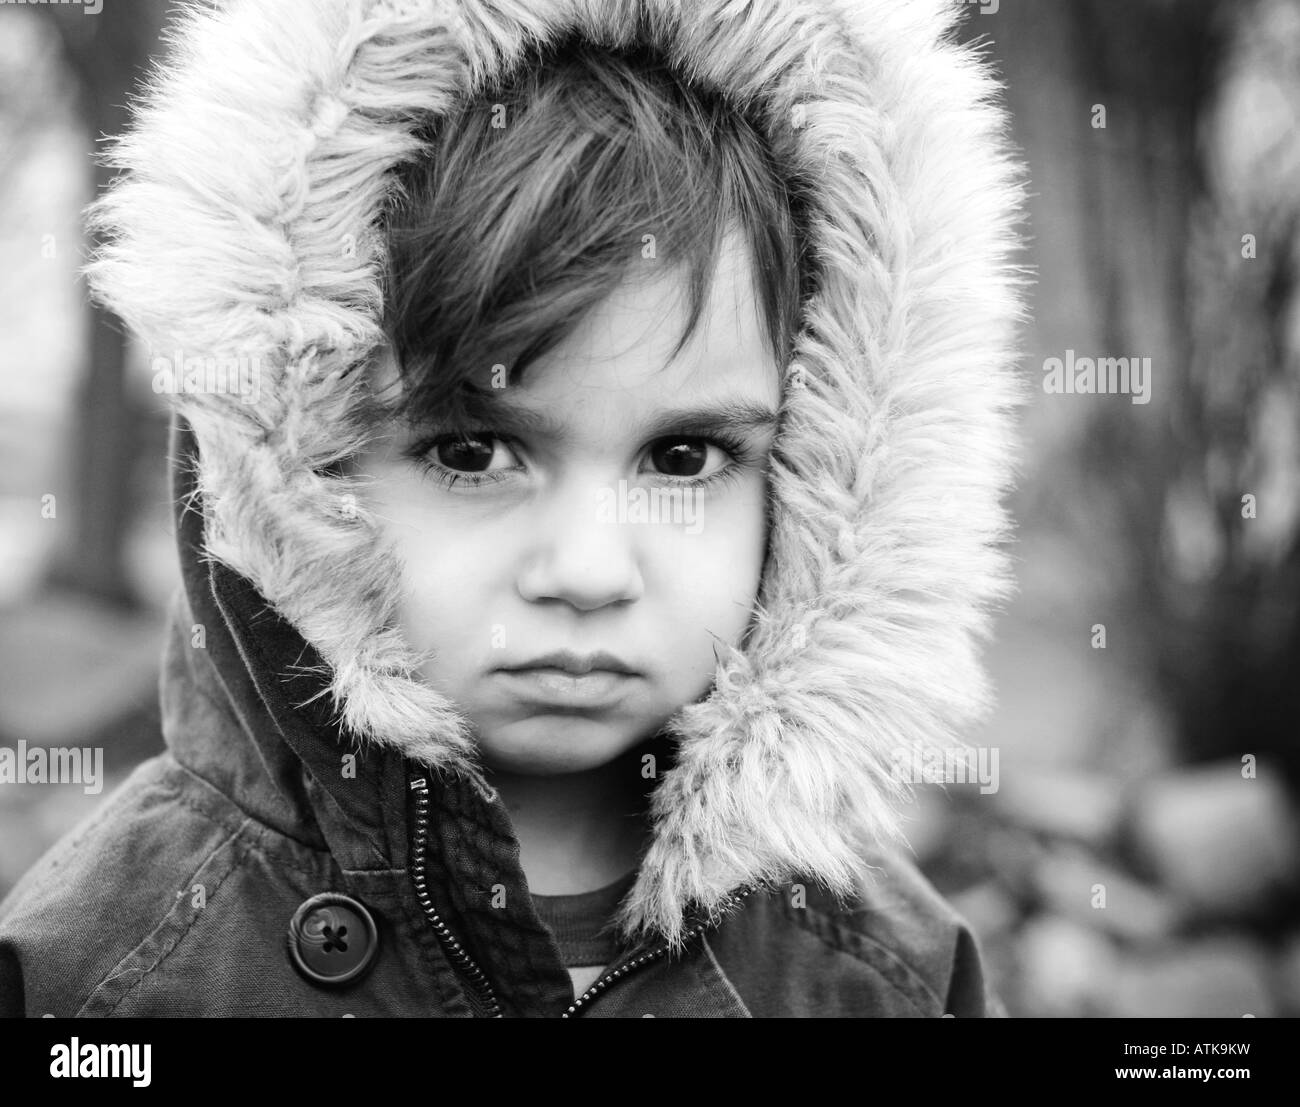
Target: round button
{"points": [[332, 939]]}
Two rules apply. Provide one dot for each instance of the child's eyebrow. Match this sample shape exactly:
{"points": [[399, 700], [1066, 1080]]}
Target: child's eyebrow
{"points": [[734, 416]]}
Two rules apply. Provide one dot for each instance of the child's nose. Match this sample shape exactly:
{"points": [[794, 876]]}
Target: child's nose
{"points": [[579, 555]]}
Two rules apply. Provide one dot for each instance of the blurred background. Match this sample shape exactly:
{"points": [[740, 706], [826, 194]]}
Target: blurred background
{"points": [[1141, 854]]}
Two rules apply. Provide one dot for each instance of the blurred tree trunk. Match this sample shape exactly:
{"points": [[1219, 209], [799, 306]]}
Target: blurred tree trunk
{"points": [[1222, 619], [107, 53], [1140, 255]]}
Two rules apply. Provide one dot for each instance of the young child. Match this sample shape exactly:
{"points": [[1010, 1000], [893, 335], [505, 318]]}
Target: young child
{"points": [[591, 425]]}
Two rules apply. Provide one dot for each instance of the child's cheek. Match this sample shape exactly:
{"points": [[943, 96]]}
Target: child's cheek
{"points": [[445, 561], [709, 567]]}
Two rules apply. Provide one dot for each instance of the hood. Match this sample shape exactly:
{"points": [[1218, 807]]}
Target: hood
{"points": [[248, 224]]}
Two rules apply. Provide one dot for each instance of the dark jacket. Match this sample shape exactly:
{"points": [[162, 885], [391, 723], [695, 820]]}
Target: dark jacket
{"points": [[319, 838]]}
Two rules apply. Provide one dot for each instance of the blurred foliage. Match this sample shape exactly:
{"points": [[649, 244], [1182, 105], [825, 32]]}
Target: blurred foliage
{"points": [[1232, 587], [99, 59], [1202, 147]]}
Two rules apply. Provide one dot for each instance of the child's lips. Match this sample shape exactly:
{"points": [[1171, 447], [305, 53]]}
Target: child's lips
{"points": [[551, 687]]}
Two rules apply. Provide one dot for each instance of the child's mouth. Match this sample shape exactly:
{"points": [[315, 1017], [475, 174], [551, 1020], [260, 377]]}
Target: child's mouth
{"points": [[549, 687]]}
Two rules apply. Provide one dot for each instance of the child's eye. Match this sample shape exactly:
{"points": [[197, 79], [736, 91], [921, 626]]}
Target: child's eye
{"points": [[477, 457], [469, 453], [481, 457], [691, 459]]}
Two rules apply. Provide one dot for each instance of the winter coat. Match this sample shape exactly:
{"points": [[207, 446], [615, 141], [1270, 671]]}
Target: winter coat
{"points": [[242, 872]]}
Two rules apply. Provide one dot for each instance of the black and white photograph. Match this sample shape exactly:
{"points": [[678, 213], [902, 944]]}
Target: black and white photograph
{"points": [[875, 594]]}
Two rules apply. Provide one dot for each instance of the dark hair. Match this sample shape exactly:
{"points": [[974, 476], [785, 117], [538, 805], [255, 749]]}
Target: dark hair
{"points": [[526, 207]]}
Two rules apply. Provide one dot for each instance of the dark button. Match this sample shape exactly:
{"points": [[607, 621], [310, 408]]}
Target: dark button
{"points": [[332, 939]]}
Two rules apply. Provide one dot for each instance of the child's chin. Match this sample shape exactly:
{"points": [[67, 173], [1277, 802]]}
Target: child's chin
{"points": [[554, 744]]}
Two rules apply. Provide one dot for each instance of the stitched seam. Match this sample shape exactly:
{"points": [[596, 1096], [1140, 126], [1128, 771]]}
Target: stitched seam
{"points": [[266, 851], [245, 820], [889, 953], [254, 845], [874, 967], [167, 950], [175, 790]]}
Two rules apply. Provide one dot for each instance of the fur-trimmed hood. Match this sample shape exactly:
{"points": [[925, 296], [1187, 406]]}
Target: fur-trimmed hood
{"points": [[249, 226]]}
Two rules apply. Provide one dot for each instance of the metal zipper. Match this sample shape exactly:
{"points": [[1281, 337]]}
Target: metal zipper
{"points": [[461, 959], [645, 958], [455, 951]]}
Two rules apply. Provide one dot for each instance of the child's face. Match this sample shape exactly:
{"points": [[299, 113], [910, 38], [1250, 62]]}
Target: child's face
{"points": [[570, 525]]}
